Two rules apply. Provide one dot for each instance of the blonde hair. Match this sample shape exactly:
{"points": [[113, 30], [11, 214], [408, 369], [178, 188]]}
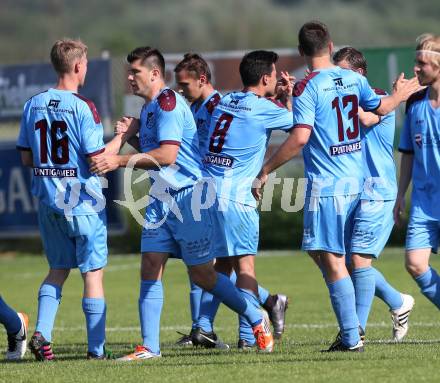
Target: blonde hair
{"points": [[429, 43], [65, 52]]}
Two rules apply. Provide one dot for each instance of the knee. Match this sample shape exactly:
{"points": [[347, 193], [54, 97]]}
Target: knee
{"points": [[203, 276], [151, 267], [413, 268], [224, 266], [57, 276]]}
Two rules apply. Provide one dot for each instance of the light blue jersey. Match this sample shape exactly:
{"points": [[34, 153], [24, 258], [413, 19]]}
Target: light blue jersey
{"points": [[202, 113], [327, 101], [380, 170], [240, 128], [167, 119], [420, 136], [62, 129]]}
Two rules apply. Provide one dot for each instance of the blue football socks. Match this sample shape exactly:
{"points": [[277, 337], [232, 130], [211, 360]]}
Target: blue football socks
{"points": [[150, 309], [195, 298], [49, 298], [95, 312], [344, 305], [386, 292], [429, 283], [364, 283]]}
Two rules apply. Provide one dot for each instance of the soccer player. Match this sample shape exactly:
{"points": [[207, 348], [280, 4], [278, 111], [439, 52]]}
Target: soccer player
{"points": [[16, 326], [373, 219], [326, 127], [239, 130], [420, 148], [168, 142], [193, 78], [60, 131]]}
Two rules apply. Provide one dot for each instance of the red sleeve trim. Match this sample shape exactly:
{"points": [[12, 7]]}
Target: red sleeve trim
{"points": [[379, 91], [276, 102], [95, 153], [299, 87], [91, 106], [212, 103], [405, 151], [169, 142], [302, 126], [23, 149]]}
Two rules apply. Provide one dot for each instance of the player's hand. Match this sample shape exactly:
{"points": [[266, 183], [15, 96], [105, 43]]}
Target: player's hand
{"points": [[399, 208], [258, 184], [403, 88], [284, 87], [127, 125], [104, 163]]}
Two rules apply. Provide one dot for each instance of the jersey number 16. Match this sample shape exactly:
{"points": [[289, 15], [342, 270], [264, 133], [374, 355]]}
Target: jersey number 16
{"points": [[59, 148]]}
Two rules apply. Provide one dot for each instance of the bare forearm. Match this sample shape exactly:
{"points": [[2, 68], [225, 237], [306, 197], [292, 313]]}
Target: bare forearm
{"points": [[406, 165], [150, 160]]}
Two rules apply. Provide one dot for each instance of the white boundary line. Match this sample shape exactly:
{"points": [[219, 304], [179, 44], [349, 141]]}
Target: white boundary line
{"points": [[306, 326]]}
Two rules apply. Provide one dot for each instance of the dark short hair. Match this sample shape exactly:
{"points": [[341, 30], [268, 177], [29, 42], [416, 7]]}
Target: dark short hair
{"points": [[194, 63], [150, 57], [255, 65], [313, 37], [354, 57]]}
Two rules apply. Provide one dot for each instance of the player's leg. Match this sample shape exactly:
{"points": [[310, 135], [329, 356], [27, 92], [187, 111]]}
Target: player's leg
{"points": [[16, 325], [422, 238], [417, 264], [60, 250], [326, 221], [220, 286], [90, 232], [208, 231], [95, 310], [157, 244], [364, 286], [204, 334], [342, 296]]}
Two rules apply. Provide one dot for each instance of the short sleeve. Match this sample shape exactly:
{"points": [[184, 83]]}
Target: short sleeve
{"points": [[277, 116], [23, 138], [92, 132], [368, 99], [406, 144], [304, 107], [170, 119]]}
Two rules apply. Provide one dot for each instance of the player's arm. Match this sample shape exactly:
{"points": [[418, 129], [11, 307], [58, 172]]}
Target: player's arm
{"points": [[164, 155], [406, 165], [125, 132], [26, 158], [402, 89], [298, 137], [368, 119]]}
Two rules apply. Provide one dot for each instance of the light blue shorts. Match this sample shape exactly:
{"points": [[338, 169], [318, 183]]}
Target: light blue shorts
{"points": [[194, 239], [73, 242], [240, 225], [422, 234], [328, 223], [373, 223]]}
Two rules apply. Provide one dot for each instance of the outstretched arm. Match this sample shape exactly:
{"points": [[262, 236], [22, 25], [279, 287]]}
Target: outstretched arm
{"points": [[164, 155], [402, 89]]}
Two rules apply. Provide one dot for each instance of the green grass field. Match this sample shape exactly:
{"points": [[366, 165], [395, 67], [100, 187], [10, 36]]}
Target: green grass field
{"points": [[310, 328]]}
